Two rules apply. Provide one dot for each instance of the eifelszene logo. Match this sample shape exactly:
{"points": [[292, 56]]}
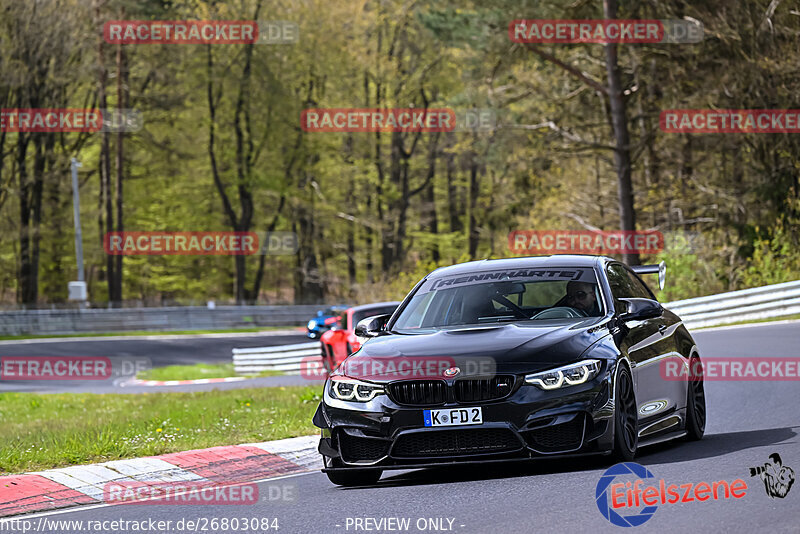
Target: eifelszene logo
{"points": [[777, 478], [644, 500]]}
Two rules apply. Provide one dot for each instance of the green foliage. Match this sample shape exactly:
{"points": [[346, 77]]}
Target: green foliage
{"points": [[362, 201], [46, 431], [776, 258]]}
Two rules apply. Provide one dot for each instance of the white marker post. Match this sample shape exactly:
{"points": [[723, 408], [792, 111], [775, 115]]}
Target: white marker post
{"points": [[77, 290]]}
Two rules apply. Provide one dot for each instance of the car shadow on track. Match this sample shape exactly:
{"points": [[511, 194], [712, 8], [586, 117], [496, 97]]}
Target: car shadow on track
{"points": [[476, 472], [713, 445]]}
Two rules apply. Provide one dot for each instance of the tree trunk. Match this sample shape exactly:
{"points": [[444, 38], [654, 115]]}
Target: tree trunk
{"points": [[368, 233], [27, 292], [253, 295], [429, 200], [619, 121], [453, 201], [474, 190], [244, 159], [105, 170], [122, 103], [399, 177], [308, 283], [368, 244]]}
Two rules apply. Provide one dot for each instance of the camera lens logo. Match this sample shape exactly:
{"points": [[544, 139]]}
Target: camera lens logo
{"points": [[601, 495]]}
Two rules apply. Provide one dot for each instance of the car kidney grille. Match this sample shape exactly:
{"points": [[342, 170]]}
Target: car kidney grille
{"points": [[354, 449], [418, 392], [483, 389], [565, 436], [455, 443]]}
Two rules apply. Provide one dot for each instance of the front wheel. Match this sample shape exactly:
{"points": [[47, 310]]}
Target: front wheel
{"points": [[695, 401], [626, 420]]}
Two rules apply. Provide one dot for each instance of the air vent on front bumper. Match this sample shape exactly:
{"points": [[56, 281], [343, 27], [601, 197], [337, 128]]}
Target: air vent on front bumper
{"points": [[357, 449], [557, 438], [418, 392], [455, 443], [484, 389]]}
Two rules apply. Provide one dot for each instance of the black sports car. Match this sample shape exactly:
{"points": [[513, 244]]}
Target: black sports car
{"points": [[511, 359]]}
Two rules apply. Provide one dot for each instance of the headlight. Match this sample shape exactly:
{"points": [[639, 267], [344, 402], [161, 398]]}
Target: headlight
{"points": [[312, 324], [354, 390], [569, 375]]}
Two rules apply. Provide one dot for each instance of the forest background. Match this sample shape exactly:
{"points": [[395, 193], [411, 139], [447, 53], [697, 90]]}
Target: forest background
{"points": [[221, 146]]}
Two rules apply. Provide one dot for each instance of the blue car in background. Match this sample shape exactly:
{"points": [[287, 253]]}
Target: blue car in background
{"points": [[324, 321]]}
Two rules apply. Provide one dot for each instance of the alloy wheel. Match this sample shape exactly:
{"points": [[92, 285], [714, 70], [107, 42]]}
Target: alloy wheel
{"points": [[628, 416]]}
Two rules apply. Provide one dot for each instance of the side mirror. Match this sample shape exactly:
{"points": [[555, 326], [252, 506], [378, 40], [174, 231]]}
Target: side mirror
{"points": [[372, 326], [640, 309]]}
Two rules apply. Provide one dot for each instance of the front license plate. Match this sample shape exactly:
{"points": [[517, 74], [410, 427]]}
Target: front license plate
{"points": [[453, 416]]}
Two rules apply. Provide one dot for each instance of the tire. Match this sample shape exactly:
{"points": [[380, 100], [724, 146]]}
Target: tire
{"points": [[626, 419], [695, 402], [326, 360], [359, 477]]}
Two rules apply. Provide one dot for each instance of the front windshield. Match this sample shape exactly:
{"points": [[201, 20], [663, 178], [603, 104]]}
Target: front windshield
{"points": [[488, 297]]}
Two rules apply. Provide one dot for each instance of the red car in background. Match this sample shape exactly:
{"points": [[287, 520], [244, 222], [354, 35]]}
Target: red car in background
{"points": [[341, 341]]}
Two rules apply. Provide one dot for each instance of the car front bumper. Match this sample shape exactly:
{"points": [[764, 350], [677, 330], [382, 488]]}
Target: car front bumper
{"points": [[529, 423]]}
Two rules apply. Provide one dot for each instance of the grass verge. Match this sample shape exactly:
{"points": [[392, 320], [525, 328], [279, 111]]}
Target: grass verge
{"points": [[45, 431], [152, 333], [193, 372]]}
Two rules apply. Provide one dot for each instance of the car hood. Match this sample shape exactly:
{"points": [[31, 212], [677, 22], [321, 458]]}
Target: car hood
{"points": [[511, 348]]}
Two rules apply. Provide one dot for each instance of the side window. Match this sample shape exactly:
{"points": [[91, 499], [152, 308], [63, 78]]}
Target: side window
{"points": [[638, 287], [624, 284], [642, 288], [620, 285]]}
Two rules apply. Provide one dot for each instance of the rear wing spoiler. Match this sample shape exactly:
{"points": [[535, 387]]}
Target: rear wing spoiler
{"points": [[660, 270]]}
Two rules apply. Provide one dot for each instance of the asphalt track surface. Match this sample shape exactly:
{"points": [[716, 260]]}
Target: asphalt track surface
{"points": [[157, 350], [747, 421]]}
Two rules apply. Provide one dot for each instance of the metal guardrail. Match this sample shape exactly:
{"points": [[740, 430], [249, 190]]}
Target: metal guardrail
{"points": [[156, 319], [767, 302], [778, 300], [286, 358]]}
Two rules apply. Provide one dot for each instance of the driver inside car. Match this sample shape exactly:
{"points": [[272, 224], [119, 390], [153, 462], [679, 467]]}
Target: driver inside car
{"points": [[582, 296]]}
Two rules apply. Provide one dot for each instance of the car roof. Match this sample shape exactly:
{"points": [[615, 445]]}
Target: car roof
{"points": [[365, 307], [521, 262]]}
